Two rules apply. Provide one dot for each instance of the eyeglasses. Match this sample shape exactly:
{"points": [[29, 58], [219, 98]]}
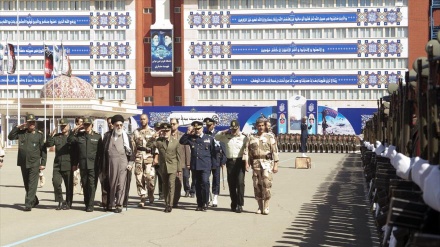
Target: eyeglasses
{"points": [[118, 125]]}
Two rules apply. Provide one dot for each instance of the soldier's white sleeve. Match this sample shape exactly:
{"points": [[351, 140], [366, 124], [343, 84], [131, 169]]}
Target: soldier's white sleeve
{"points": [[431, 194], [420, 169]]}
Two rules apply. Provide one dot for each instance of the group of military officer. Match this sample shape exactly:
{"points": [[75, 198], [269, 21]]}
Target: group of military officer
{"points": [[329, 143], [165, 150]]}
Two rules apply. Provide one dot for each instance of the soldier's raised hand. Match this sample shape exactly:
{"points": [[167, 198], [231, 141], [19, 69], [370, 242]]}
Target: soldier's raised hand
{"points": [[53, 132]]}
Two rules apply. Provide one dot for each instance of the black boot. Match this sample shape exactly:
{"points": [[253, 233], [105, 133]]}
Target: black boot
{"points": [[59, 206]]}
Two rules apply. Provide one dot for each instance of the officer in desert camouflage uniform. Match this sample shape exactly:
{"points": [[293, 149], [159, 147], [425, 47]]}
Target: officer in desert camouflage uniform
{"points": [[144, 170], [262, 154]]}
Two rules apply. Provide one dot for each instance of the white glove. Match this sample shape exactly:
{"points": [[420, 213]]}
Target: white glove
{"points": [[366, 144], [402, 164], [419, 171], [130, 166], [391, 152], [379, 148], [431, 195]]}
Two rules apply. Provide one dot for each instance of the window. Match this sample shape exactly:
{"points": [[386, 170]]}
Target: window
{"points": [[120, 5], [148, 10], [177, 10], [203, 4], [74, 5]]}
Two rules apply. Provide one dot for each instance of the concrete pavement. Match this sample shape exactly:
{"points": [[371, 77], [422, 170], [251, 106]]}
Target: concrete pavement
{"points": [[322, 206]]}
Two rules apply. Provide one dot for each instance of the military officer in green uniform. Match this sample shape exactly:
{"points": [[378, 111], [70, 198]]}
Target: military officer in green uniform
{"points": [[32, 154], [90, 150], [63, 166]]}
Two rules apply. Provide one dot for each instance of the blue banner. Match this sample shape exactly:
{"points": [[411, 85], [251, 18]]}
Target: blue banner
{"points": [[32, 79], [282, 115], [294, 49], [294, 79], [311, 114], [162, 50], [39, 20], [292, 18], [38, 50]]}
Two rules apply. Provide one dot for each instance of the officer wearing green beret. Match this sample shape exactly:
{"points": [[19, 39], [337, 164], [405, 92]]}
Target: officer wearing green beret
{"points": [[62, 164], [89, 153], [32, 154]]}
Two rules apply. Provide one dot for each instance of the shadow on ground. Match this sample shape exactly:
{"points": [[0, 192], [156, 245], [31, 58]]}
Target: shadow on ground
{"points": [[338, 214]]}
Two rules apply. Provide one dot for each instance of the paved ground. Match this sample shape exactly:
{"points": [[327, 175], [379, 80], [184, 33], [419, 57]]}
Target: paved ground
{"points": [[322, 206]]}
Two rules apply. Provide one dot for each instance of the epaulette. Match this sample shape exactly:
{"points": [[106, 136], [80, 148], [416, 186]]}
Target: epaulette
{"points": [[39, 131]]}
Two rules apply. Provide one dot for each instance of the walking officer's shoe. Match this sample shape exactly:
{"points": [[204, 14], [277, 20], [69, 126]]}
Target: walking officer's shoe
{"points": [[27, 209], [59, 206], [215, 201], [260, 207], [187, 194], [36, 202], [239, 209], [266, 207], [142, 202]]}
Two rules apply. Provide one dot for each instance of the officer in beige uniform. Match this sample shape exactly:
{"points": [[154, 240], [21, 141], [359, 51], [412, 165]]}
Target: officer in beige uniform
{"points": [[235, 142], [144, 170], [262, 154]]}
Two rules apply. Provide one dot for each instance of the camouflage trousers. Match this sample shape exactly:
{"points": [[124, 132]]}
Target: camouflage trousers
{"points": [[262, 180], [145, 174]]}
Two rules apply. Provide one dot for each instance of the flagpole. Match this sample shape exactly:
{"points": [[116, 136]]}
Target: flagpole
{"points": [[45, 90], [7, 94], [62, 84], [18, 67]]}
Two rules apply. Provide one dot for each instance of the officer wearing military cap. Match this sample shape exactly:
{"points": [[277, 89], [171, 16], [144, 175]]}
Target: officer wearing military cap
{"points": [[220, 159], [89, 153], [235, 142], [32, 154], [62, 164], [202, 157], [170, 155], [261, 153]]}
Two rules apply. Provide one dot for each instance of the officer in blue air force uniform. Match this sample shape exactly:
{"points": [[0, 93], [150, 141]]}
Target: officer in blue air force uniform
{"points": [[220, 159], [202, 157]]}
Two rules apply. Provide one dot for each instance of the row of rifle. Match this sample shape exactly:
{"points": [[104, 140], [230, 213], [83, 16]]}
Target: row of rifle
{"points": [[400, 154], [319, 143]]}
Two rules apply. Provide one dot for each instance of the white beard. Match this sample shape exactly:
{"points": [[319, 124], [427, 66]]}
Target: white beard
{"points": [[119, 131]]}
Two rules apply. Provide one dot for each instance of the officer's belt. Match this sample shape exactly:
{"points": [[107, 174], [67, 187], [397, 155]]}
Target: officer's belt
{"points": [[233, 159], [264, 157], [148, 150]]}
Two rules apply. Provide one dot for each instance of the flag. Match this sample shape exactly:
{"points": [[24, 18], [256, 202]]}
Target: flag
{"points": [[56, 61], [11, 59], [48, 62], [66, 69], [330, 112], [2, 53]]}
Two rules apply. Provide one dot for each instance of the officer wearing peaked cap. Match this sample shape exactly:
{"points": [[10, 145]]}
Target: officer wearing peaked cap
{"points": [[62, 164], [32, 154], [202, 157], [89, 150], [220, 159], [235, 142]]}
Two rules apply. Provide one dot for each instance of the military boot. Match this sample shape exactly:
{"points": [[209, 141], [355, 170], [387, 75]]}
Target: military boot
{"points": [[260, 207], [266, 207], [142, 202], [151, 196]]}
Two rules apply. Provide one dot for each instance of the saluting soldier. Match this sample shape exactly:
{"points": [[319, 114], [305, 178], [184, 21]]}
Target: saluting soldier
{"points": [[220, 159], [143, 166], [89, 152], [262, 154], [32, 155], [202, 158], [62, 165], [235, 142]]}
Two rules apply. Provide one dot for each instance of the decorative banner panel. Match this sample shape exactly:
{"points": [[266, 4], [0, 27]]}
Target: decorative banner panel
{"points": [[361, 48], [365, 17], [32, 79], [99, 20], [99, 50], [312, 114], [361, 79], [282, 116], [162, 51], [110, 80]]}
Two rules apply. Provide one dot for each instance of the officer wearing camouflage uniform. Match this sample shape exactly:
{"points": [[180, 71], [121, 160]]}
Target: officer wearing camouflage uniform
{"points": [[32, 154], [89, 152], [144, 170], [62, 165], [261, 153]]}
